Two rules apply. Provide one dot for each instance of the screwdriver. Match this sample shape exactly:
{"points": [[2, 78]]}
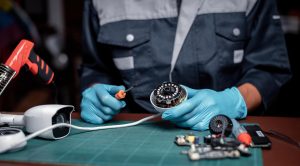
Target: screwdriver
{"points": [[122, 93]]}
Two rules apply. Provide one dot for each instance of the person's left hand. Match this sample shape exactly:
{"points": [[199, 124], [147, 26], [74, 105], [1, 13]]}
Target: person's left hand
{"points": [[202, 105]]}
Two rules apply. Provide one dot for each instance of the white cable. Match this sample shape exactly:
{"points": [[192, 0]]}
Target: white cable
{"points": [[30, 136]]}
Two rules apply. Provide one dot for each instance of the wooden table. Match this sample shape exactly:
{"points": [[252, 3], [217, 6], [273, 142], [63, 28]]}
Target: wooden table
{"points": [[281, 153]]}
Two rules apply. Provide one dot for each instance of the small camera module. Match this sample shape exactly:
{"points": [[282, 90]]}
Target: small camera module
{"points": [[167, 95]]}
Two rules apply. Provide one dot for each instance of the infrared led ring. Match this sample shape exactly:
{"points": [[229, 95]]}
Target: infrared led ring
{"points": [[167, 95], [219, 123]]}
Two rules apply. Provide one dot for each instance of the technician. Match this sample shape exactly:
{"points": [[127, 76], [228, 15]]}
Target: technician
{"points": [[230, 55]]}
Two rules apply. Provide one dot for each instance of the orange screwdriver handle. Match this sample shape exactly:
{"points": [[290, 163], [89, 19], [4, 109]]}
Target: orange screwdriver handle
{"points": [[120, 95]]}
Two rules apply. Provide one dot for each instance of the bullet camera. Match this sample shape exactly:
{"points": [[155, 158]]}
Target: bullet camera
{"points": [[40, 117], [39, 121]]}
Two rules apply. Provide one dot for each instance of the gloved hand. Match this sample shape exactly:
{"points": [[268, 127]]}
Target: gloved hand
{"points": [[202, 105], [98, 103]]}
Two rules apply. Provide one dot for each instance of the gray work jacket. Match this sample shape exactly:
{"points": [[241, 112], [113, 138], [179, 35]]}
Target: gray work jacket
{"points": [[230, 42]]}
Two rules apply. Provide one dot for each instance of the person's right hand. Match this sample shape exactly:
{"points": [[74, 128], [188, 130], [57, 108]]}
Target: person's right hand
{"points": [[98, 103]]}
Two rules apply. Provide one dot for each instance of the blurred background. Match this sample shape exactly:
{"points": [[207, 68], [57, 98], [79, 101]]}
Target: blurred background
{"points": [[55, 28]]}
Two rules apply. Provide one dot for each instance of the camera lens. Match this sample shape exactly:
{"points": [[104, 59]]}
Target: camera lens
{"points": [[60, 118], [8, 131]]}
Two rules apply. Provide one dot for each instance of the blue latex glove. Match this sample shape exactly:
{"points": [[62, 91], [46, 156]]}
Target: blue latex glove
{"points": [[202, 105], [98, 103]]}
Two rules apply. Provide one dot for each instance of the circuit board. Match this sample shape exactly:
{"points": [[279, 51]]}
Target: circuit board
{"points": [[151, 143]]}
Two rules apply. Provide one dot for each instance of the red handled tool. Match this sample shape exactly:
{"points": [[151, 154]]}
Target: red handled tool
{"points": [[23, 55]]}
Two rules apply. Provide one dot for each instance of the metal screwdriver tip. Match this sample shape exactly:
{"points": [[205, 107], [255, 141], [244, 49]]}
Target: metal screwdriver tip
{"points": [[6, 74], [128, 89]]}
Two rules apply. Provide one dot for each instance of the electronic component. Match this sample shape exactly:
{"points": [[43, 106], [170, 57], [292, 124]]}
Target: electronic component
{"points": [[259, 138], [207, 152], [167, 95], [9, 137], [219, 124], [217, 150], [183, 140], [241, 133], [213, 147], [228, 143]]}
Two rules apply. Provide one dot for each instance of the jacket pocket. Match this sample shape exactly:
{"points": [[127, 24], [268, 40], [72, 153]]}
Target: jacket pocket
{"points": [[231, 37], [124, 41], [231, 26], [125, 34]]}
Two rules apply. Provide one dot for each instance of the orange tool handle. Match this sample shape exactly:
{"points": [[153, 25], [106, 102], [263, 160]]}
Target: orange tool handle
{"points": [[120, 95]]}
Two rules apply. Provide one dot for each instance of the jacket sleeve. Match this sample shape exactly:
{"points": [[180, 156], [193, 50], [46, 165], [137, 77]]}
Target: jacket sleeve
{"points": [[266, 63], [97, 66]]}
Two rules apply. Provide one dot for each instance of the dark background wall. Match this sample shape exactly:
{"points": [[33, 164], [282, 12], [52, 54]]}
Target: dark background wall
{"points": [[58, 24], [287, 101]]}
